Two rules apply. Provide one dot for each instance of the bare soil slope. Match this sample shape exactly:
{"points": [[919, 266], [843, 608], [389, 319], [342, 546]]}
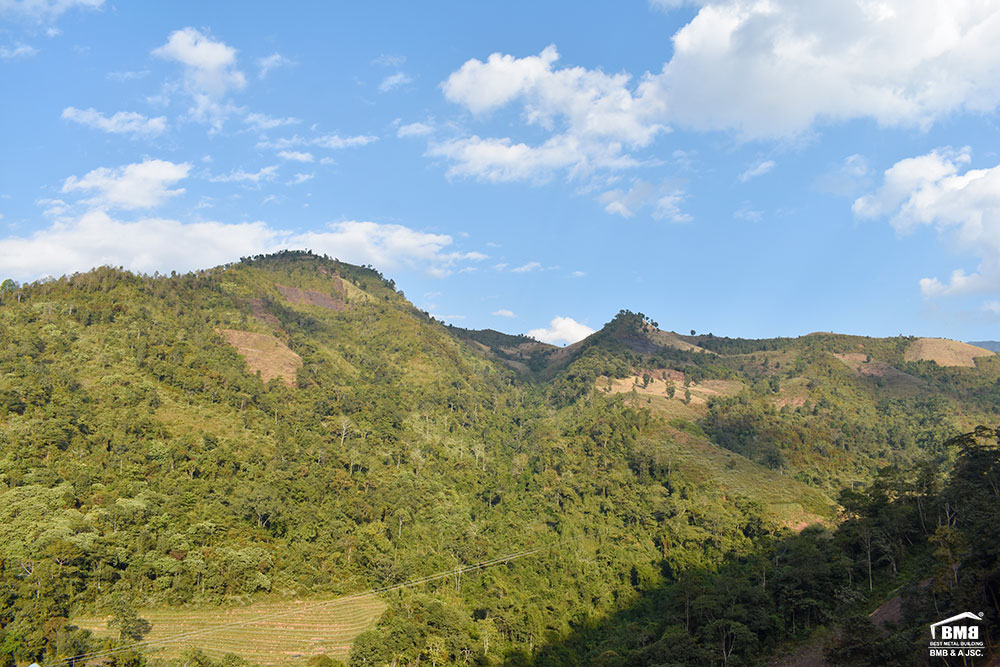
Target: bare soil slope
{"points": [[266, 354]]}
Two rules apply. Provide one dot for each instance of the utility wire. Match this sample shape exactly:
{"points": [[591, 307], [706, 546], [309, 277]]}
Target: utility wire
{"points": [[342, 600]]}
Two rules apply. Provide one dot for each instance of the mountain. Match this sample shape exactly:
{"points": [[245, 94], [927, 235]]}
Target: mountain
{"points": [[993, 345], [290, 427]]}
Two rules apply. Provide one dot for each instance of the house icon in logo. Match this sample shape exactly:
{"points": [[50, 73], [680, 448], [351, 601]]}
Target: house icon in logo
{"points": [[953, 628]]}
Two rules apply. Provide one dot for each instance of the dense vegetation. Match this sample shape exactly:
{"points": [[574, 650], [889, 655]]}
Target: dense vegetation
{"points": [[141, 465]]}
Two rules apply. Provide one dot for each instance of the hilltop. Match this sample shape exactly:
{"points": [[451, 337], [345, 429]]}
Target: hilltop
{"points": [[290, 427]]}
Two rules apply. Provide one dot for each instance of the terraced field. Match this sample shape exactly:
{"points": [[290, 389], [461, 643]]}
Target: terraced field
{"points": [[263, 633]]}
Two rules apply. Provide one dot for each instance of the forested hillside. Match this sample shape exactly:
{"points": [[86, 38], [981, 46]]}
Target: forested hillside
{"points": [[289, 427]]}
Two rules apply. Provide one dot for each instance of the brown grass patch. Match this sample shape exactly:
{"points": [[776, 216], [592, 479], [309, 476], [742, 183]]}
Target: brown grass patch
{"points": [[264, 353], [945, 352], [700, 392], [289, 632], [313, 298]]}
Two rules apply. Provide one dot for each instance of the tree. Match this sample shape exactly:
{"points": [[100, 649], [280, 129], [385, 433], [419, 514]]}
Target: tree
{"points": [[128, 623]]}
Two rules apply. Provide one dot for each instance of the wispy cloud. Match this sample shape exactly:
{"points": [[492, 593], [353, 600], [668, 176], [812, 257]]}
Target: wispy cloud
{"points": [[394, 81], [122, 122], [240, 176], [757, 169]]}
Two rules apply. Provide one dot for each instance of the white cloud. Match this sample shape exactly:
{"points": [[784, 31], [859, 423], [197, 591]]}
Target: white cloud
{"points": [[389, 60], [127, 75], [757, 169], [296, 156], [123, 122], [527, 268], [301, 178], [964, 207], [262, 121], [763, 69], [593, 117], [336, 141], [773, 69], [210, 73], [271, 63], [578, 274], [665, 200], [134, 186], [668, 207], [17, 51], [394, 81], [562, 330], [414, 130], [238, 176], [748, 213], [503, 312], [155, 244], [332, 141], [43, 11]]}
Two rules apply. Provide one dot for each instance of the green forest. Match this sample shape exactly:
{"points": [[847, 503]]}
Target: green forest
{"points": [[289, 426]]}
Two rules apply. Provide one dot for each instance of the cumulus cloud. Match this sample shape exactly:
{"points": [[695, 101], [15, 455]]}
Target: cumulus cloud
{"points": [[503, 312], [210, 73], [394, 81], [562, 330], [156, 244], [762, 70], [757, 169], [141, 185], [593, 117], [773, 69], [122, 122], [963, 206]]}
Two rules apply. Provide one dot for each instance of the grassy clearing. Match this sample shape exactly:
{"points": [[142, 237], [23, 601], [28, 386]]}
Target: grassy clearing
{"points": [[278, 633], [944, 352]]}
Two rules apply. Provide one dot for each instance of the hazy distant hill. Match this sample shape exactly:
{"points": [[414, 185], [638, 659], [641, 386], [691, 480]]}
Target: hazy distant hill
{"points": [[987, 344]]}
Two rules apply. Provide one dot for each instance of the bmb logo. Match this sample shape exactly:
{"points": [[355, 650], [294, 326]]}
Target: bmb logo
{"points": [[961, 626]]}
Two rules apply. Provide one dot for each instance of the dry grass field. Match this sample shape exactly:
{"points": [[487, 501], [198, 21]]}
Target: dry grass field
{"points": [[945, 352], [279, 633]]}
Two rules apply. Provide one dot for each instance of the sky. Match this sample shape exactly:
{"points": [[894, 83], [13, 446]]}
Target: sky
{"points": [[750, 168]]}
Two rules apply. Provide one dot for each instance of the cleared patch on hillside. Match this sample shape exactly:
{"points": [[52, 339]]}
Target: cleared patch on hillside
{"points": [[660, 381], [945, 352], [863, 366], [264, 633], [670, 339], [264, 353], [313, 298], [260, 311]]}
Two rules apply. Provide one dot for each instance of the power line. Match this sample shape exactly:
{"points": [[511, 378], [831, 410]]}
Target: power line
{"points": [[342, 600]]}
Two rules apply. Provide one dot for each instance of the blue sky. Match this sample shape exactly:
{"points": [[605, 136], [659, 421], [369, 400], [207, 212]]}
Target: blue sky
{"points": [[742, 167]]}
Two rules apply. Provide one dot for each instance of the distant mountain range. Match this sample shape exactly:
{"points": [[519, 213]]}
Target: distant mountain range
{"points": [[987, 344]]}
